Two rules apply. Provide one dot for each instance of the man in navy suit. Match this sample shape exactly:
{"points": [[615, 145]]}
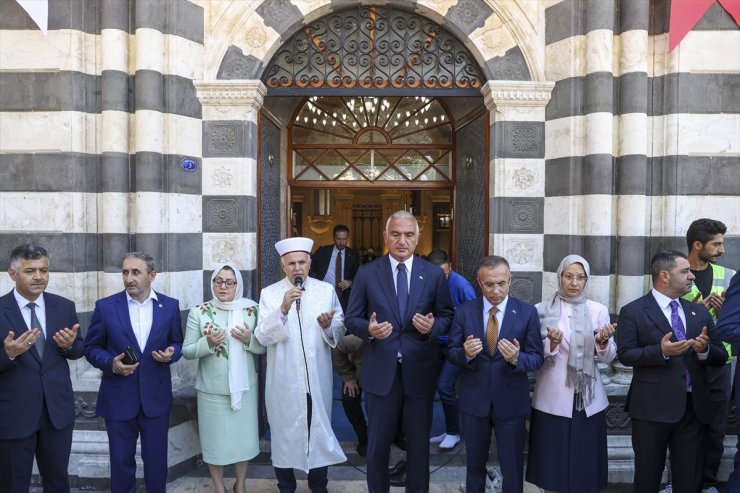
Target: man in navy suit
{"points": [[399, 305], [667, 341], [135, 399], [495, 340], [40, 333], [728, 330], [336, 264]]}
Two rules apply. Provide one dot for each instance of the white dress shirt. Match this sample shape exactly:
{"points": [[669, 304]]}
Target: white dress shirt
{"points": [[331, 271], [26, 311], [141, 315]]}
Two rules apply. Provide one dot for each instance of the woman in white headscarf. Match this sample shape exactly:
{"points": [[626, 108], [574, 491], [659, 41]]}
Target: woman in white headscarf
{"points": [[219, 336], [567, 438]]}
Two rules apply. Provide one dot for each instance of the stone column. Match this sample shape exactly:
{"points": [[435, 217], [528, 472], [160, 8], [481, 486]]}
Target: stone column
{"points": [[230, 148], [517, 179], [632, 170]]}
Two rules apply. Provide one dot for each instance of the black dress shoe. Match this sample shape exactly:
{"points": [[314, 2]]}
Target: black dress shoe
{"points": [[397, 474], [362, 449]]}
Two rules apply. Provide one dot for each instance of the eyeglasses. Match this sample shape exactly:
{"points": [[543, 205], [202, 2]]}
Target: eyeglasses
{"points": [[229, 283], [571, 278]]}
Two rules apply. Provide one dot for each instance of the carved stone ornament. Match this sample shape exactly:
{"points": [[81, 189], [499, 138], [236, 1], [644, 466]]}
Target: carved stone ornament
{"points": [[516, 93], [256, 37], [523, 178], [522, 288], [224, 138], [467, 11], [222, 177], [249, 93], [223, 249], [222, 214], [521, 252], [83, 408], [523, 216], [524, 139]]}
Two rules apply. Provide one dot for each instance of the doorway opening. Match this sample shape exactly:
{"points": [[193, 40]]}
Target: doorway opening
{"points": [[315, 213]]}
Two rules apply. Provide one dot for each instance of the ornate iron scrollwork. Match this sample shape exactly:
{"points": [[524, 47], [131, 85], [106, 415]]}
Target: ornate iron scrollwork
{"points": [[373, 48]]}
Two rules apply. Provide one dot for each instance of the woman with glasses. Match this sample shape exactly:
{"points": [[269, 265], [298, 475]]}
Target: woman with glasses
{"points": [[567, 439], [219, 336]]}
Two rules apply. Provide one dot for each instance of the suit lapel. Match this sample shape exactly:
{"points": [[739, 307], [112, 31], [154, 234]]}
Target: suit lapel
{"points": [[418, 278], [510, 318], [385, 279], [654, 313], [17, 323], [156, 320], [122, 309], [692, 322]]}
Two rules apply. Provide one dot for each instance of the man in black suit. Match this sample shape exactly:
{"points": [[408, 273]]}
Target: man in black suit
{"points": [[400, 304], [336, 264], [40, 333], [666, 340]]}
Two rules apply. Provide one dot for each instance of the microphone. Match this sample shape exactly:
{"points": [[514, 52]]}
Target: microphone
{"points": [[299, 284]]}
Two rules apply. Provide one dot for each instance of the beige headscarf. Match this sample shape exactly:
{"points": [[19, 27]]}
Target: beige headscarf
{"points": [[238, 362], [581, 367]]}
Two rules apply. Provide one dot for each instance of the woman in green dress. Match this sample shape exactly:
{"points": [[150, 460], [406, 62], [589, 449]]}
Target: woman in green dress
{"points": [[219, 336]]}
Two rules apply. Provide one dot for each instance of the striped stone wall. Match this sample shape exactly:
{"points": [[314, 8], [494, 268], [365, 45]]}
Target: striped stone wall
{"points": [[638, 142], [95, 119]]}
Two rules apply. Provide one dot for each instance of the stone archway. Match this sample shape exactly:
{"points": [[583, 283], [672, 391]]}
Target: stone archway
{"points": [[515, 138]]}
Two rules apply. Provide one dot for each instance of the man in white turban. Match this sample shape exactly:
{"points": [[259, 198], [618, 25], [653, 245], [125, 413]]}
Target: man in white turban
{"points": [[301, 319]]}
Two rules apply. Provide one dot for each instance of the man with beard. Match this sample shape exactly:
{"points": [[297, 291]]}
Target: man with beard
{"points": [[705, 239], [135, 394], [666, 340]]}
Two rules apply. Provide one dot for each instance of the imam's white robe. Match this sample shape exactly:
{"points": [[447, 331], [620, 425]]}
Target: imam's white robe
{"points": [[286, 380]]}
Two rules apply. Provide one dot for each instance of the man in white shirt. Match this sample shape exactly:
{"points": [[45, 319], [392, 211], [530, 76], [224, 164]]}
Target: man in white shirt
{"points": [[666, 339], [40, 333], [136, 396]]}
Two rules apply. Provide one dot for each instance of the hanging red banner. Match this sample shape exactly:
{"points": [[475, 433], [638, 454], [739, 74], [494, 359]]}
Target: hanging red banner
{"points": [[686, 13]]}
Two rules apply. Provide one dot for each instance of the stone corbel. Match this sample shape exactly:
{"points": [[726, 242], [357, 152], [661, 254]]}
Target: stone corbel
{"points": [[230, 99], [511, 100]]}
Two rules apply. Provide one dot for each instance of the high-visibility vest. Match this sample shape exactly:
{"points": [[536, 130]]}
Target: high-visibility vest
{"points": [[721, 277]]}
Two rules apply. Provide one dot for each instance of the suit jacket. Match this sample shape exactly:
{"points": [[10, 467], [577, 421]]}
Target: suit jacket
{"points": [[489, 381], [27, 381], [728, 323], [150, 387], [658, 389], [320, 261], [373, 291]]}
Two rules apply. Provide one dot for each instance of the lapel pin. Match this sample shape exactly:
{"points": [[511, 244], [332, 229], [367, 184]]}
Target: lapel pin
{"points": [[693, 313], [160, 305], [421, 277], [513, 311]]}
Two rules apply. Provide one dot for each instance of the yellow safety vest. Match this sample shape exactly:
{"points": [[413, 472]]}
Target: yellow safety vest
{"points": [[721, 277]]}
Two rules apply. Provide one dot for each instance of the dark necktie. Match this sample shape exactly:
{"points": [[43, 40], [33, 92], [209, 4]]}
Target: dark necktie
{"points": [[492, 330], [36, 325], [338, 271], [680, 331], [402, 290]]}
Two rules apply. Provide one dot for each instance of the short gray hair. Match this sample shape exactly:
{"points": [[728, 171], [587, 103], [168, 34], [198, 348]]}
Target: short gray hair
{"points": [[493, 261], [401, 215], [148, 259], [27, 251]]}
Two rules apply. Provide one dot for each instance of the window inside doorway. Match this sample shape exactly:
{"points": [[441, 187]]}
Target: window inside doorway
{"points": [[372, 139]]}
